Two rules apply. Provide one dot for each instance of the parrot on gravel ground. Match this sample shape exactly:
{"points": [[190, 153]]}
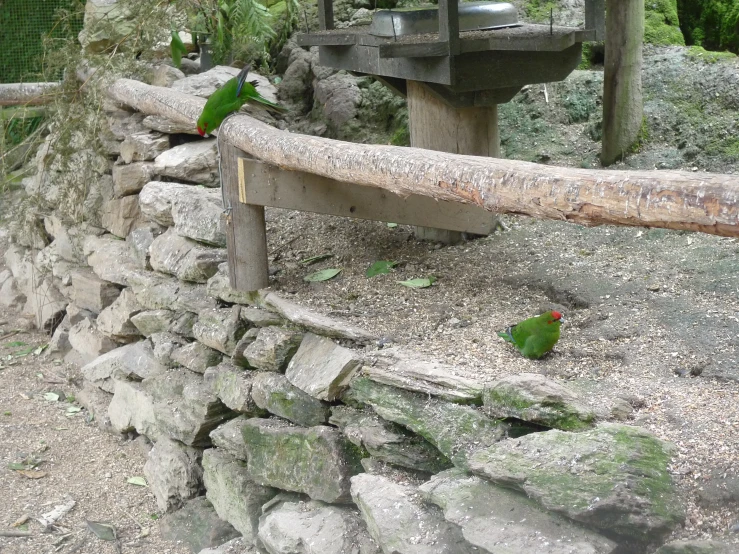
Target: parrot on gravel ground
{"points": [[229, 98], [535, 336], [178, 49]]}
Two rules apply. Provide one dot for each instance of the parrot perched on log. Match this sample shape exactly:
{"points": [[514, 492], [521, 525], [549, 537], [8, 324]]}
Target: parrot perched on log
{"points": [[535, 336], [229, 98], [178, 49]]}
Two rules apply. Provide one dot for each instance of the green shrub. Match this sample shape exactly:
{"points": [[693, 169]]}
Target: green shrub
{"points": [[712, 24], [661, 24]]}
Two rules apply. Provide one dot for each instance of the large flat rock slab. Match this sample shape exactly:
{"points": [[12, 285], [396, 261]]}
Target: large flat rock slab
{"points": [[388, 442], [457, 431], [305, 528], [317, 461], [236, 498], [408, 370], [536, 399], [613, 477], [401, 522], [499, 521]]}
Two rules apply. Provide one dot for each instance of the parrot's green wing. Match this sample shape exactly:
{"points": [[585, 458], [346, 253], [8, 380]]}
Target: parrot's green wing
{"points": [[535, 336], [177, 47]]}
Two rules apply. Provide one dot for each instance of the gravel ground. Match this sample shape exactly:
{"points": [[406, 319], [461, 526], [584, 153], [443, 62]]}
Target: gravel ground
{"points": [[651, 333], [80, 462], [646, 311], [651, 337]]}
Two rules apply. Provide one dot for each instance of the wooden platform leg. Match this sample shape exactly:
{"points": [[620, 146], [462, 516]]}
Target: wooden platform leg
{"points": [[435, 125], [247, 250]]}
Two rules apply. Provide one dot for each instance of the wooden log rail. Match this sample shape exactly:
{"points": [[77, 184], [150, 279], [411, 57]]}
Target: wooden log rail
{"points": [[16, 94], [669, 199]]}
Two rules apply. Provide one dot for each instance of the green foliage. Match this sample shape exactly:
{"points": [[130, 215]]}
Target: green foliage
{"points": [[401, 136], [661, 25], [23, 26], [642, 137], [74, 158], [241, 29], [713, 24], [539, 11], [19, 124], [579, 105], [700, 53]]}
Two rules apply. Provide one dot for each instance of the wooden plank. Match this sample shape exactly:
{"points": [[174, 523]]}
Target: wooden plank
{"points": [[396, 85], [595, 18], [15, 94], [449, 25], [246, 231], [366, 59], [267, 185], [422, 50], [485, 71], [325, 14], [705, 202], [326, 39]]}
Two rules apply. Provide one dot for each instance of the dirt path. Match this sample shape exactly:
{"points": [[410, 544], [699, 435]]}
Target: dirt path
{"points": [[80, 461]]}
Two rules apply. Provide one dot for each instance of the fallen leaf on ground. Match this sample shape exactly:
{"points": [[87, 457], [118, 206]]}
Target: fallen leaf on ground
{"points": [[31, 474], [103, 531], [137, 480], [316, 259], [20, 521], [380, 267], [418, 283], [323, 275]]}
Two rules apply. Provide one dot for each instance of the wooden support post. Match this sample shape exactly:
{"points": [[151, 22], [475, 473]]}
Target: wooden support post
{"points": [[449, 25], [247, 248], [435, 125], [623, 103], [325, 15], [595, 17]]}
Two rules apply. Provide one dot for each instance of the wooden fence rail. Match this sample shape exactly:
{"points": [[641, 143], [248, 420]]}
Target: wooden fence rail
{"points": [[670, 199], [27, 94]]}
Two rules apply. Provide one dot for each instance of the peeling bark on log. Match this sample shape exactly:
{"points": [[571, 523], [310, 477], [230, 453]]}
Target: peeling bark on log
{"points": [[15, 94], [670, 199]]}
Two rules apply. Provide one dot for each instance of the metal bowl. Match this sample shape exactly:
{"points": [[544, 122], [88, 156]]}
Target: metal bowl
{"points": [[473, 16]]}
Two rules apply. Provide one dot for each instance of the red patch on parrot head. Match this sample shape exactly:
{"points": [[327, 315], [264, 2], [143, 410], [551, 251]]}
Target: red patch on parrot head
{"points": [[556, 316], [201, 130]]}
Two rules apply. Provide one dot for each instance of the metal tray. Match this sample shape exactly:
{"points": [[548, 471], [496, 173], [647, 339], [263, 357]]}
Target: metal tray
{"points": [[473, 16]]}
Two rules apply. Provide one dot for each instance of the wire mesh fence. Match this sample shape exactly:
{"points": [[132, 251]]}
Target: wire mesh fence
{"points": [[24, 24]]}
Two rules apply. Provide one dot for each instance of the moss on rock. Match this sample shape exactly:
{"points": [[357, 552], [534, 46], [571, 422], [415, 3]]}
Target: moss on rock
{"points": [[661, 24]]}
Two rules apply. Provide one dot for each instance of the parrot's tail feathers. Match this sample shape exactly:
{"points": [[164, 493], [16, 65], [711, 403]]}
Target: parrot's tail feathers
{"points": [[270, 105], [507, 335], [241, 78]]}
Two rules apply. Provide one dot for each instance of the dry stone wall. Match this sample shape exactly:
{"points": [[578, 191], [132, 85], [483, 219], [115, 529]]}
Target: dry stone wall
{"points": [[276, 429]]}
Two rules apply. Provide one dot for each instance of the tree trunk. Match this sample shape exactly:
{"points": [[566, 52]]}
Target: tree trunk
{"points": [[671, 199], [623, 105]]}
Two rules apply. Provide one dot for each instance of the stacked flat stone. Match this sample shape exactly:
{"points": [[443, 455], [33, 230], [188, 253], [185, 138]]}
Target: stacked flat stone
{"points": [[270, 436]]}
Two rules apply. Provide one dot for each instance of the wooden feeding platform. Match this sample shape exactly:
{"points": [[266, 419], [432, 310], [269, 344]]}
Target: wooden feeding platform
{"points": [[454, 79], [463, 68]]}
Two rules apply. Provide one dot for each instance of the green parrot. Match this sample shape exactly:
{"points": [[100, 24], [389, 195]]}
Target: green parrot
{"points": [[229, 98], [535, 336], [177, 47]]}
